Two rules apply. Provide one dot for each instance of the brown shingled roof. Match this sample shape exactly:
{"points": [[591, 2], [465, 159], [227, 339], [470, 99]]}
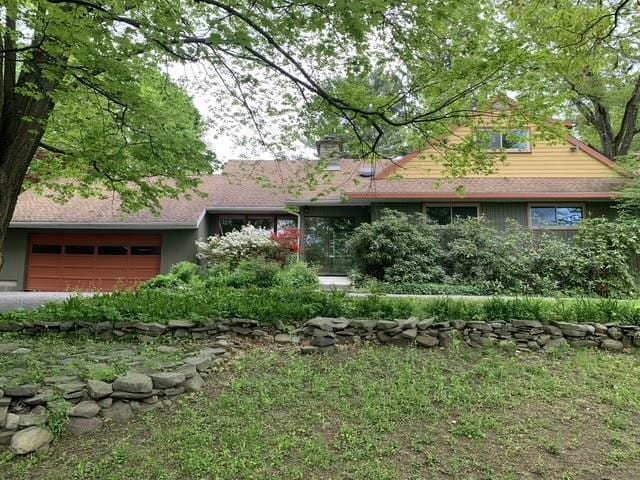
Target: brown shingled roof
{"points": [[272, 185], [489, 188], [243, 184]]}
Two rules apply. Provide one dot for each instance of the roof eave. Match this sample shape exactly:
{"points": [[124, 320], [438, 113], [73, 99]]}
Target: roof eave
{"points": [[485, 196], [105, 226]]}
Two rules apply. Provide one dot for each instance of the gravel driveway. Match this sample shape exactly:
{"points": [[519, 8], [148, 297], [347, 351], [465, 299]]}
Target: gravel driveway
{"points": [[13, 300]]}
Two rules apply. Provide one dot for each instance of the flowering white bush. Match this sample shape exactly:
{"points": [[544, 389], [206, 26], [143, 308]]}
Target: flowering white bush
{"points": [[233, 247]]}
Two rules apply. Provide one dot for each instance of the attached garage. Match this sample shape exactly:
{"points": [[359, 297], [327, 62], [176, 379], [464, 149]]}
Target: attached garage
{"points": [[76, 261]]}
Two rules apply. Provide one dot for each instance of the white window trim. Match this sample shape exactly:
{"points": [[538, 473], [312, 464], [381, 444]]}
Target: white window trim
{"points": [[453, 204], [556, 205], [509, 150]]}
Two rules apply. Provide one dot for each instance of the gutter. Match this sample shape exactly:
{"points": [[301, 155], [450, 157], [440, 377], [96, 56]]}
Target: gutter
{"points": [[105, 226], [484, 196], [275, 208]]}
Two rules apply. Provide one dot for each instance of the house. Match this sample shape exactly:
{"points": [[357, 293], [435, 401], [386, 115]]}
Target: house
{"points": [[88, 244]]}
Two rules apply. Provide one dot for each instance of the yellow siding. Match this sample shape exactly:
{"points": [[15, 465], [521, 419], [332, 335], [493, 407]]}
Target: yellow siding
{"points": [[546, 160]]}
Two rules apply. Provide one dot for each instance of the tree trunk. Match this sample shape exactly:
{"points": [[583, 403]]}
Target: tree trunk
{"points": [[14, 162], [21, 128]]}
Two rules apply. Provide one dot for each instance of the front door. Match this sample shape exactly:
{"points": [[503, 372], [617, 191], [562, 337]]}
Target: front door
{"points": [[325, 243]]}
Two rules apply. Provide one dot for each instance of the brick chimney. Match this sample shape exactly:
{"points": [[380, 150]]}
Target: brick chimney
{"points": [[330, 148]]}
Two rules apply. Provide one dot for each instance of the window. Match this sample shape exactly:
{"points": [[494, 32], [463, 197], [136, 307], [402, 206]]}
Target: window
{"points": [[50, 249], [262, 222], [229, 224], [556, 216], [143, 250], [516, 140], [446, 214], [285, 223], [113, 250], [79, 249]]}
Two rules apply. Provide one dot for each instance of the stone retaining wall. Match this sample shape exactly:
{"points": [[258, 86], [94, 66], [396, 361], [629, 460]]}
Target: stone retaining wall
{"points": [[24, 412], [525, 335], [25, 409]]}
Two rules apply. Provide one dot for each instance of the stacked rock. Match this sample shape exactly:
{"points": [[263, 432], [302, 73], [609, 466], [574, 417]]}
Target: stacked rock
{"points": [[24, 409], [323, 334]]}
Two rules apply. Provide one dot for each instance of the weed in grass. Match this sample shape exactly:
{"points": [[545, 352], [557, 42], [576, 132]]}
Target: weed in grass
{"points": [[58, 416]]}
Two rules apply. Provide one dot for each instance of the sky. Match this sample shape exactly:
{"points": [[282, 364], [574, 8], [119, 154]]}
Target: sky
{"points": [[237, 141]]}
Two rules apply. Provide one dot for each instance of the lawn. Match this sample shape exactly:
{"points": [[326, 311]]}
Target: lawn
{"points": [[378, 413]]}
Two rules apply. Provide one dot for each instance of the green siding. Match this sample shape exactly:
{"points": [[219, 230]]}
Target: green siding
{"points": [[15, 256], [178, 245], [498, 213]]}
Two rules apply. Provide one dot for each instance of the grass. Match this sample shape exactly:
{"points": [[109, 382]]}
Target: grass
{"points": [[292, 306], [80, 356], [378, 413]]}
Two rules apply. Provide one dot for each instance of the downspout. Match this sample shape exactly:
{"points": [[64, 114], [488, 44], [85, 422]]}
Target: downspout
{"points": [[299, 235]]}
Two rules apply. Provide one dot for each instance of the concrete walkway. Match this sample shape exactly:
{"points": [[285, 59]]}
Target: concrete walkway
{"points": [[340, 282], [29, 300]]}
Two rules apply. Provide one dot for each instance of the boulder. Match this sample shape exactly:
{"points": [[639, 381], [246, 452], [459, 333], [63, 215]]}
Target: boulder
{"points": [[614, 332], [98, 389], [81, 426], [482, 326], [174, 324], [151, 329], [194, 383], [118, 412], [133, 383], [22, 391], [187, 370], [409, 334], [283, 338], [12, 421], [427, 341], [321, 323], [526, 324], [322, 341], [5, 437], [612, 345], [38, 417], [31, 439], [552, 330], [85, 409], [386, 324], [199, 361], [556, 343], [167, 379], [39, 399]]}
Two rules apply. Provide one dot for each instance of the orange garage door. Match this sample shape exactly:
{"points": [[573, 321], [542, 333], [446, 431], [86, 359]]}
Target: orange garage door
{"points": [[91, 262]]}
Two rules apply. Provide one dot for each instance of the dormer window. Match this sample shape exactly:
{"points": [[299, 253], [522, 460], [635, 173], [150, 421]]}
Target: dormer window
{"points": [[514, 140]]}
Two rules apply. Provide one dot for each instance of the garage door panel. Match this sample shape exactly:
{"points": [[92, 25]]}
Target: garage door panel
{"points": [[64, 271]]}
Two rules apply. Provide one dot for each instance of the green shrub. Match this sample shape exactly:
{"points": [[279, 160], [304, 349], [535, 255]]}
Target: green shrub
{"points": [[181, 275], [234, 247], [431, 288], [297, 275], [606, 249], [254, 273], [397, 247], [399, 251], [477, 252]]}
